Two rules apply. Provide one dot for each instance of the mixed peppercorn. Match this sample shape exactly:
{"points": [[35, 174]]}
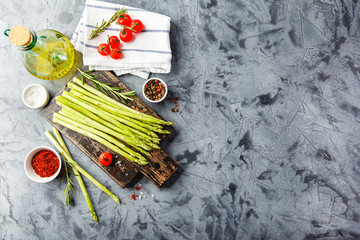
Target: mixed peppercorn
{"points": [[154, 90], [175, 101]]}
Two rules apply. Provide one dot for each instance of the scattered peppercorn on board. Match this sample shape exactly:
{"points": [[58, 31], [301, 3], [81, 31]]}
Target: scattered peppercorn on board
{"points": [[161, 166]]}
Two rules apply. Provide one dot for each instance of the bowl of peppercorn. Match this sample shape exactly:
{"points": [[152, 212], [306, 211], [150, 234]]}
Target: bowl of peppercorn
{"points": [[42, 164], [155, 90]]}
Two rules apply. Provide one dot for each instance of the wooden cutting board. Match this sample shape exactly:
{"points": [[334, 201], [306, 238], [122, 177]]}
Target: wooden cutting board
{"points": [[161, 166]]}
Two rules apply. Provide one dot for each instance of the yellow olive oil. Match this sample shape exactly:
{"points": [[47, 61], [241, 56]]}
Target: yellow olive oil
{"points": [[52, 56], [47, 54]]}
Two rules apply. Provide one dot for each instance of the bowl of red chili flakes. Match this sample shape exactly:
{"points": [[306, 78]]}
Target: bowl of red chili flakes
{"points": [[42, 164], [155, 90]]}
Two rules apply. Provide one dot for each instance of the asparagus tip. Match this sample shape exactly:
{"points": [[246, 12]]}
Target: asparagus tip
{"points": [[116, 199], [93, 214]]}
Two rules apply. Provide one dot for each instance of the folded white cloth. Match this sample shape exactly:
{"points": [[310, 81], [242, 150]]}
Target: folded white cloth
{"points": [[148, 52]]}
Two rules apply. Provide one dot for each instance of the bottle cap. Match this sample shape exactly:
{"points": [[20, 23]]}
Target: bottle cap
{"points": [[20, 36]]}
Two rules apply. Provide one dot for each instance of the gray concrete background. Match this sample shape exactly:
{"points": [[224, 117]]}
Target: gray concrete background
{"points": [[268, 138]]}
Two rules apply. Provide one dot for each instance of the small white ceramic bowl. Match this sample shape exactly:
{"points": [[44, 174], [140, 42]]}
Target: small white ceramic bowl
{"points": [[30, 171], [161, 99], [35, 96]]}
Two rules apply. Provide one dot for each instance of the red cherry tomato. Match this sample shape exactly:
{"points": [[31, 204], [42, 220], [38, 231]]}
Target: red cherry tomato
{"points": [[115, 53], [136, 25], [105, 159], [124, 20], [125, 35], [113, 41], [104, 49]]}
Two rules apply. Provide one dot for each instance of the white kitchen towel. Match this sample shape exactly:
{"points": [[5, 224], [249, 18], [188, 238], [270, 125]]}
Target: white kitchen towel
{"points": [[149, 51]]}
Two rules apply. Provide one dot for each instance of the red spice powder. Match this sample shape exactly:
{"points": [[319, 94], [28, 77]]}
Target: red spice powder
{"points": [[45, 163], [134, 196]]}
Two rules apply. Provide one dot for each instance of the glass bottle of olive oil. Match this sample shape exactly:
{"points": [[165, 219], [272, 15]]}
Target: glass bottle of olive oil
{"points": [[47, 54]]}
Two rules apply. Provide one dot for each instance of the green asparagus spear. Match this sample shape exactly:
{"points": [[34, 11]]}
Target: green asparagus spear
{"points": [[127, 152], [70, 125], [80, 169], [107, 116], [77, 174], [113, 111], [78, 91], [136, 114], [85, 120], [101, 118], [66, 104]]}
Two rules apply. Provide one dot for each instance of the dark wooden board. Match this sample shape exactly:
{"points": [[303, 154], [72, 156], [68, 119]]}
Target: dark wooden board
{"points": [[161, 166]]}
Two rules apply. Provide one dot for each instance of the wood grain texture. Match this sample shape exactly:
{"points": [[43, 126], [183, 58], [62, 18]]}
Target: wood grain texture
{"points": [[161, 166]]}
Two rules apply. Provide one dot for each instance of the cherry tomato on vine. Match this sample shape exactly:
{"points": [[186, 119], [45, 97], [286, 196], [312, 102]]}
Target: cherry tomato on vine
{"points": [[105, 159], [104, 49], [113, 41], [136, 25], [115, 53], [125, 20], [125, 35]]}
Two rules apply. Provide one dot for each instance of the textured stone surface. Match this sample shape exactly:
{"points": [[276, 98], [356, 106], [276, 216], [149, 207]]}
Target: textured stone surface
{"points": [[268, 138]]}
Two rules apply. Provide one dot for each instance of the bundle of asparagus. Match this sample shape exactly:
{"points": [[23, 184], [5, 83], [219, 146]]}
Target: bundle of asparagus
{"points": [[61, 147], [94, 114]]}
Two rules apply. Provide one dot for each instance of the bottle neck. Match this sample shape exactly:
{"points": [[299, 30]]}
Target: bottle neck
{"points": [[36, 45]]}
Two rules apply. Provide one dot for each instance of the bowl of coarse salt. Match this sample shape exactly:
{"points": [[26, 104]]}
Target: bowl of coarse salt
{"points": [[35, 96]]}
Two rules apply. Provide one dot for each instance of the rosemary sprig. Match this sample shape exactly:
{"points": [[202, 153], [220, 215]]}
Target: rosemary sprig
{"points": [[106, 88], [104, 24], [69, 185]]}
